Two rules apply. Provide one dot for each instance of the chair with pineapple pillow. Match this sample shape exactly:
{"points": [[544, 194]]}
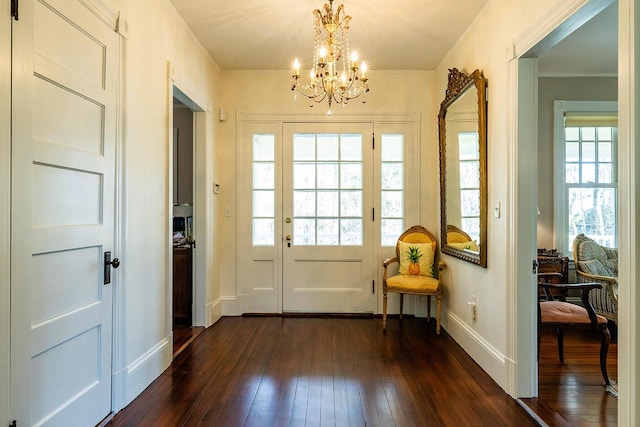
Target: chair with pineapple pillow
{"points": [[416, 252]]}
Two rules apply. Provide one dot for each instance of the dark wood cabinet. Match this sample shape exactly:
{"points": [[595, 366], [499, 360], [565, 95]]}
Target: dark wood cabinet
{"points": [[554, 269], [182, 286]]}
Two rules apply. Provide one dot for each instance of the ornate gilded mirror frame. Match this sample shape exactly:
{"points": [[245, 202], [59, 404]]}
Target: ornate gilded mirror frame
{"points": [[459, 85]]}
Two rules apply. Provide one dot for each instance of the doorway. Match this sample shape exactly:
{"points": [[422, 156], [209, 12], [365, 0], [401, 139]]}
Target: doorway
{"points": [[188, 171], [182, 237], [536, 88]]}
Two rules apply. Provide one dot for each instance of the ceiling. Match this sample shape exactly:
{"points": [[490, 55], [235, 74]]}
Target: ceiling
{"points": [[269, 35], [395, 35]]}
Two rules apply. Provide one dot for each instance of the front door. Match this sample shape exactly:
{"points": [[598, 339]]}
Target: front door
{"points": [[64, 64], [327, 207]]}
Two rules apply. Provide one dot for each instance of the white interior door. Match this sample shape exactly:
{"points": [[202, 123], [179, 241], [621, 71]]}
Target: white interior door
{"points": [[327, 210], [65, 63]]}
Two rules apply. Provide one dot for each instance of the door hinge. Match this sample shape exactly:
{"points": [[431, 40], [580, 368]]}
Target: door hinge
{"points": [[373, 286], [373, 214], [14, 12], [373, 141], [534, 265], [14, 423]]}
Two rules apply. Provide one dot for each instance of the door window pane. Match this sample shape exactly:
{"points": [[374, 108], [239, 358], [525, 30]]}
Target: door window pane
{"points": [[327, 193], [391, 188], [263, 190]]}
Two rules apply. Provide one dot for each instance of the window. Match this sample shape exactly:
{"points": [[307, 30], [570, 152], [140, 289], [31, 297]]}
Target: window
{"points": [[263, 190], [392, 188], [586, 172]]}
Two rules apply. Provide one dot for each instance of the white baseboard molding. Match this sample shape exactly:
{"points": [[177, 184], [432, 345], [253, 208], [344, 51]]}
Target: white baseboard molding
{"points": [[229, 305], [214, 312], [480, 350], [144, 370]]}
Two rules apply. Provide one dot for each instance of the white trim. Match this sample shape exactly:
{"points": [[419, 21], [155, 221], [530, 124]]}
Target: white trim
{"points": [[322, 118], [119, 337], [521, 319], [103, 11], [5, 211], [481, 351], [146, 368], [628, 211], [560, 229], [560, 21]]}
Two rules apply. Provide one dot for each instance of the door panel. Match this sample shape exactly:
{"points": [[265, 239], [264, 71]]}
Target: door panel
{"points": [[63, 162], [327, 194]]}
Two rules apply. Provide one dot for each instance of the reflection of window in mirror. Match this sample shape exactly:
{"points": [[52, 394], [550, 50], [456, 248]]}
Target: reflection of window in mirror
{"points": [[463, 166], [469, 153], [586, 184]]}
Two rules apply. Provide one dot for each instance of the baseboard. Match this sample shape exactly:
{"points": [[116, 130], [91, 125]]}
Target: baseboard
{"points": [[214, 312], [484, 354], [144, 370], [229, 305]]}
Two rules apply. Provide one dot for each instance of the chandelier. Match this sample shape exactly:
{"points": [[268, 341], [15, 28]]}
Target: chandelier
{"points": [[335, 74]]}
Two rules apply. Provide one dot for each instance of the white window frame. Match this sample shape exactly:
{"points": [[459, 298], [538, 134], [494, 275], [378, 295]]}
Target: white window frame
{"points": [[561, 222]]}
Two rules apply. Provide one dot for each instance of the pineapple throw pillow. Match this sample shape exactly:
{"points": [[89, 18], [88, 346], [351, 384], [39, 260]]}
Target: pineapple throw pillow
{"points": [[416, 258]]}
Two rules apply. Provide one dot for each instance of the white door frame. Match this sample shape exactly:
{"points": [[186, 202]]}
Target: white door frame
{"points": [[381, 122], [202, 202], [553, 27], [5, 211]]}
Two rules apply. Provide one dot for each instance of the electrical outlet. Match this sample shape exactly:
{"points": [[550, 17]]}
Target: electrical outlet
{"points": [[473, 308]]}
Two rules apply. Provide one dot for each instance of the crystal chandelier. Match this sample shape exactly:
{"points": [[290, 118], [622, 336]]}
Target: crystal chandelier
{"points": [[335, 74]]}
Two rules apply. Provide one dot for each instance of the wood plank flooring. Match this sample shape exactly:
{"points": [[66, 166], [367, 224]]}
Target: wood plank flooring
{"points": [[573, 393], [298, 371]]}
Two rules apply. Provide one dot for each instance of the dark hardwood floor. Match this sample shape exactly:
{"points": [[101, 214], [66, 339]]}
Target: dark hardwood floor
{"points": [[573, 393], [183, 336], [306, 371]]}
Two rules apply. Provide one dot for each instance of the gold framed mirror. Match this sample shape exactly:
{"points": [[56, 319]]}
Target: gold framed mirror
{"points": [[462, 128]]}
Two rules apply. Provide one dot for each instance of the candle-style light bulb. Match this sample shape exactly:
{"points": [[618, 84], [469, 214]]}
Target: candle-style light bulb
{"points": [[363, 67], [322, 53], [354, 59], [296, 66]]}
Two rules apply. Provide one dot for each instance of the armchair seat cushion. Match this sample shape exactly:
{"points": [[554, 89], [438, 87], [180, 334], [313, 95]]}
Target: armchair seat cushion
{"points": [[563, 312], [410, 283]]}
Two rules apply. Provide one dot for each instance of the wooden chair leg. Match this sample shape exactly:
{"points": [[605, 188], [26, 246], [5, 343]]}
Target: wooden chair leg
{"points": [[560, 333], [604, 349], [384, 310], [401, 304], [438, 310], [428, 308]]}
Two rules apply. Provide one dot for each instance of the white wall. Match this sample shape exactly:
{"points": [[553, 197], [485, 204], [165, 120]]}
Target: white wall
{"points": [[156, 34], [551, 89], [488, 45]]}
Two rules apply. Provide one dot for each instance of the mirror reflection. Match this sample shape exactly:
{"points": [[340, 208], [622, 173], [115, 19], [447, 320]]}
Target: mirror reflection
{"points": [[462, 125]]}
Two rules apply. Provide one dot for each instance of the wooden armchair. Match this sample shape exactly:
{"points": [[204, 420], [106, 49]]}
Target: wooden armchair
{"points": [[562, 315], [416, 252]]}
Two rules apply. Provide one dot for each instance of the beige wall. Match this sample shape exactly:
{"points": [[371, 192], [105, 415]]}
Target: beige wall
{"points": [[552, 89]]}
